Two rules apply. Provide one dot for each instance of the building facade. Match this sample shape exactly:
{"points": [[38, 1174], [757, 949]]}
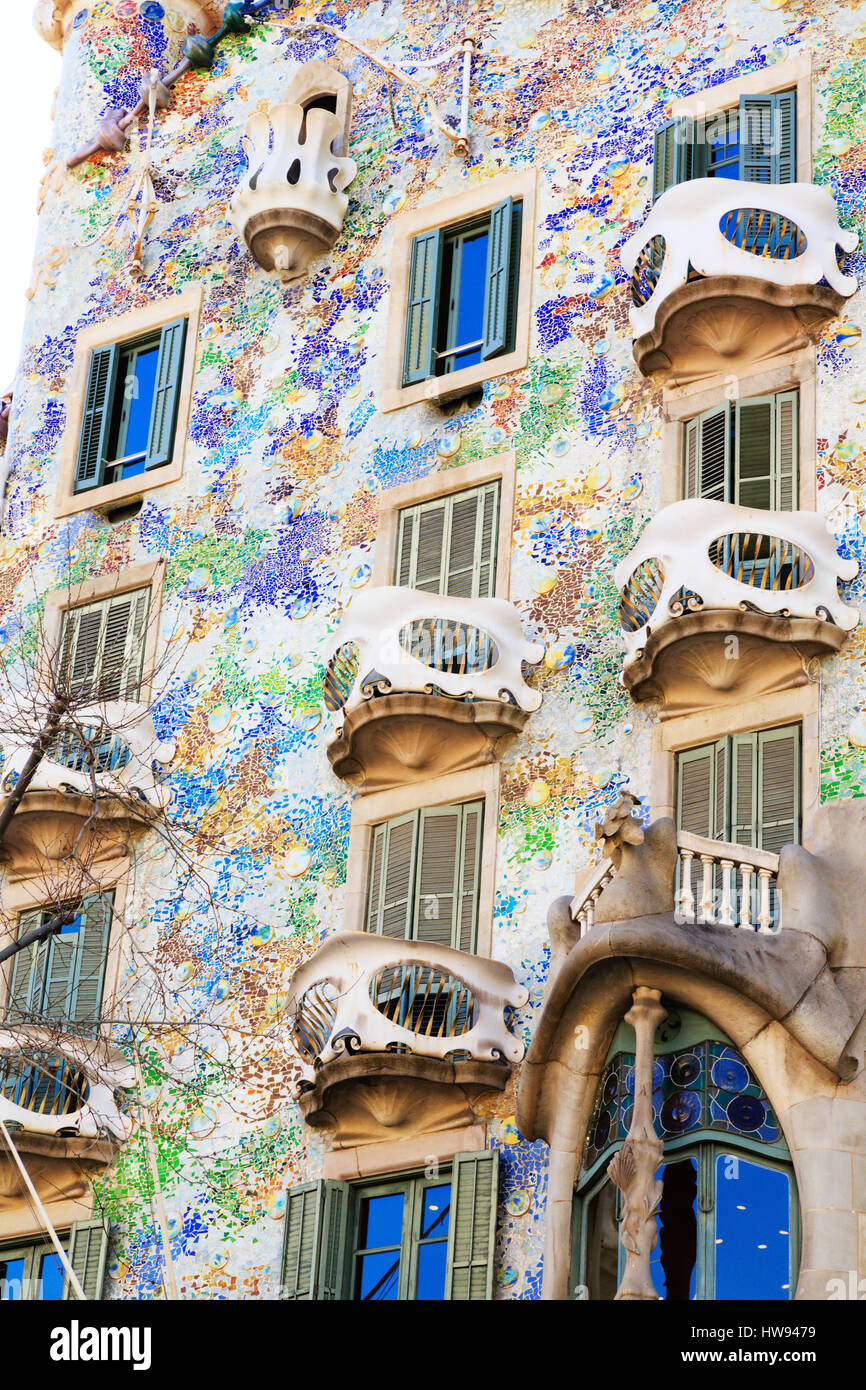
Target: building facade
{"points": [[432, 528]]}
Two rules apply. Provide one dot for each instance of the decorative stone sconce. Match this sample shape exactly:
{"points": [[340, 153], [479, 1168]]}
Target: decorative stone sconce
{"points": [[290, 205]]}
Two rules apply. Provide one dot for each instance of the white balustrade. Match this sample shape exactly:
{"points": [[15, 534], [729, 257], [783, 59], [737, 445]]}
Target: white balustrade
{"points": [[364, 993]]}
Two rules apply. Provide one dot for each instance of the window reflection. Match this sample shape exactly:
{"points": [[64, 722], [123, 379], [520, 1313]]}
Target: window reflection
{"points": [[753, 1230]]}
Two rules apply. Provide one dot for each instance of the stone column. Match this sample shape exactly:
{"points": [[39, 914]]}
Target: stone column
{"points": [[633, 1169]]}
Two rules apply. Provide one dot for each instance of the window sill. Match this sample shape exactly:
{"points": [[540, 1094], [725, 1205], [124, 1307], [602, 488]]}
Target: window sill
{"points": [[440, 388], [125, 490]]}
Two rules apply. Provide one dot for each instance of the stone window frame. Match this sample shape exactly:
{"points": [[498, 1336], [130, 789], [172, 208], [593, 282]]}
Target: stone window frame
{"points": [[149, 575], [120, 329], [473, 784], [800, 706], [501, 468], [448, 212], [794, 73], [794, 371]]}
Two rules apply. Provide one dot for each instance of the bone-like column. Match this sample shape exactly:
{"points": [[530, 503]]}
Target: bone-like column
{"points": [[633, 1169]]}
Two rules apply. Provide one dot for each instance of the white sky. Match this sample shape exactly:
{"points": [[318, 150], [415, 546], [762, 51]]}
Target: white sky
{"points": [[31, 72]]}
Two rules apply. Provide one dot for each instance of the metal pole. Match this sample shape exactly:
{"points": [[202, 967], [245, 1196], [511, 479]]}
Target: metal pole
{"points": [[162, 1219], [468, 50], [43, 1215]]}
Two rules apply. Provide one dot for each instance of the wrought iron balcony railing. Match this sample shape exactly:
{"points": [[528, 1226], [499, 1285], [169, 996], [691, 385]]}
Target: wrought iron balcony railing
{"points": [[363, 993]]}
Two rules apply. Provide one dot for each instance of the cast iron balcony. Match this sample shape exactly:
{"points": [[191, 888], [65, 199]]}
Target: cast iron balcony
{"points": [[380, 1024], [420, 685], [725, 273], [704, 573]]}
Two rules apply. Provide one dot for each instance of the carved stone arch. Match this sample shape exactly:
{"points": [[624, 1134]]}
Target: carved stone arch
{"points": [[316, 80], [565, 1064]]}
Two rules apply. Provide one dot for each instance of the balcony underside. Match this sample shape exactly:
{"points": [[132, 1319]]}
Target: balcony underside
{"points": [[390, 740], [721, 324], [369, 1097], [49, 826], [714, 656], [58, 1166]]}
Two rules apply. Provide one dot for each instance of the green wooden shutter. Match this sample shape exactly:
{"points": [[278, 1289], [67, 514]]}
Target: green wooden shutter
{"points": [[96, 419], [88, 1251], [406, 544], [449, 545], [424, 275], [671, 151], [80, 646], [787, 449], [472, 1233], [90, 958], [744, 790], [123, 645], [778, 788], [691, 462], [721, 790], [696, 791], [163, 418], [768, 138], [755, 452], [314, 1241], [26, 973], [392, 873], [470, 876], [494, 331], [438, 874], [430, 548]]}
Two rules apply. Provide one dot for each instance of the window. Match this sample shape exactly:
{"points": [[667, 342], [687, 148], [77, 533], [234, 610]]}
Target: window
{"points": [[728, 1216], [462, 298], [130, 407], [745, 452], [30, 1270], [402, 1238], [743, 789], [424, 876], [756, 142], [448, 545], [61, 979], [102, 647]]}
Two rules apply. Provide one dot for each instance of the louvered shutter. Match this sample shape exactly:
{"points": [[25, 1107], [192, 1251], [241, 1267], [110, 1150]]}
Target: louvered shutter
{"points": [[449, 545], [671, 163], [88, 1252], [787, 448], [438, 874], [472, 1233], [744, 790], [721, 799], [123, 645], [755, 453], [494, 332], [405, 547], [778, 783], [314, 1241], [488, 541], [96, 418], [90, 958], [393, 867], [756, 139], [785, 121], [424, 275], [696, 791], [714, 454], [80, 646], [166, 395], [692, 443], [428, 559], [26, 972], [470, 876]]}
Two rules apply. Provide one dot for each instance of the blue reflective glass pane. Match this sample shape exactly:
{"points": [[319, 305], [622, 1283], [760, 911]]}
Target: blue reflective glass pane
{"points": [[11, 1276], [753, 1241], [470, 291], [381, 1221], [379, 1276], [51, 1276], [431, 1270], [464, 359], [727, 171], [437, 1205], [132, 470], [140, 390]]}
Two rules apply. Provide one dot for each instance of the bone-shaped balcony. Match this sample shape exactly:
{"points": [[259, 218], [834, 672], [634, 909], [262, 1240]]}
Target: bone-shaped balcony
{"points": [[290, 204], [726, 273], [717, 599], [420, 684], [384, 1027]]}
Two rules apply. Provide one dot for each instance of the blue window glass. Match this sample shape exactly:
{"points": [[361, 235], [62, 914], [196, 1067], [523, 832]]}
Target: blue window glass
{"points": [[401, 1247], [723, 148], [379, 1276], [381, 1221], [433, 1247], [51, 1277], [11, 1278], [753, 1230], [140, 387]]}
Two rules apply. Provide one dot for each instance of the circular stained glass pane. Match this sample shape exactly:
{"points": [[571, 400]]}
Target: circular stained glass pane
{"points": [[658, 1078], [685, 1069], [729, 1074], [680, 1111], [602, 1130], [610, 1089], [746, 1113]]}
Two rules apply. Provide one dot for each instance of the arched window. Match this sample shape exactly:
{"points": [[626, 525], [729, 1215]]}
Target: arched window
{"points": [[728, 1217]]}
